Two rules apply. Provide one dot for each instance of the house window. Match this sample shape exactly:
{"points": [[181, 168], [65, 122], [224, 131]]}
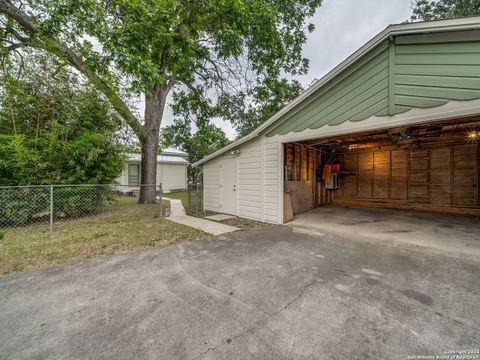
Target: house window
{"points": [[133, 174]]}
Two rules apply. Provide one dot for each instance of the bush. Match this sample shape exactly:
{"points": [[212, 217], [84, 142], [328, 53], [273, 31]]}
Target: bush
{"points": [[24, 206], [71, 202], [20, 206]]}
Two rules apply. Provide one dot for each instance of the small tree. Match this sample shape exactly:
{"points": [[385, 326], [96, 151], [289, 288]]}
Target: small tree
{"points": [[203, 51]]}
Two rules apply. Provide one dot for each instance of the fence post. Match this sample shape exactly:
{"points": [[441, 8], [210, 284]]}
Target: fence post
{"points": [[189, 187], [160, 196], [51, 208], [196, 197]]}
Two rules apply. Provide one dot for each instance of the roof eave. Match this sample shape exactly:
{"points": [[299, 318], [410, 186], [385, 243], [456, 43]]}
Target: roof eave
{"points": [[391, 30]]}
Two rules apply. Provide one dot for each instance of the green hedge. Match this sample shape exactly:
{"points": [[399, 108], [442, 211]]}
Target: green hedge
{"points": [[23, 206]]}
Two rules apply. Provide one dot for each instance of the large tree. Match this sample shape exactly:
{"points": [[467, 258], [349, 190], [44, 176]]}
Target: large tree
{"points": [[202, 50], [426, 10]]}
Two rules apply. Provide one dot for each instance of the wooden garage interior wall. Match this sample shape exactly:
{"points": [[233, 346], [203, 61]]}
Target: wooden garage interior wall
{"points": [[440, 173], [301, 164], [437, 177]]}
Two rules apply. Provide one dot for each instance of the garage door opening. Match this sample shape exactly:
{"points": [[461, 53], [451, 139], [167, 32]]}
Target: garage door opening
{"points": [[433, 167]]}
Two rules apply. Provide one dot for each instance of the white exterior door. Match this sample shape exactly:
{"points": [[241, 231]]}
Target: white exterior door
{"points": [[228, 186]]}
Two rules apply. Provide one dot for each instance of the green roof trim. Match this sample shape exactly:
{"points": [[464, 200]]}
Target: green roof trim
{"points": [[396, 78]]}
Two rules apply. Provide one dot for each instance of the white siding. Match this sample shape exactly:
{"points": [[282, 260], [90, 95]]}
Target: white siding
{"points": [[258, 181], [271, 181], [249, 180], [211, 185], [172, 176]]}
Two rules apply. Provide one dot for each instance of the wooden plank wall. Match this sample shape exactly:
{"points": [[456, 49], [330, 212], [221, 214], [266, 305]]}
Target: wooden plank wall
{"points": [[300, 164], [435, 177]]}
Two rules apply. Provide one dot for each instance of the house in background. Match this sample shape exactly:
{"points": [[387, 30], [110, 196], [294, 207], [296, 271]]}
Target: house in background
{"points": [[171, 171]]}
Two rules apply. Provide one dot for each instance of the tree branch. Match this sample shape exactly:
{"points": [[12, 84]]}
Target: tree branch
{"points": [[56, 47]]}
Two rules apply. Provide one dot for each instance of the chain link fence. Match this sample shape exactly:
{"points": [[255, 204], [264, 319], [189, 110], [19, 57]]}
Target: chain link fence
{"points": [[195, 198], [22, 206]]}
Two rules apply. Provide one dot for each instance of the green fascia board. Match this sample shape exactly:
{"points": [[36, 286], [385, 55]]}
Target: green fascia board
{"points": [[393, 79]]}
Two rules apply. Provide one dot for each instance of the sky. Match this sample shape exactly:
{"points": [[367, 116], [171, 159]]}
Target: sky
{"points": [[341, 27]]}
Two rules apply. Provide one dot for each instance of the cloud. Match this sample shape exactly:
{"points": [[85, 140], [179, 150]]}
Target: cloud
{"points": [[343, 26]]}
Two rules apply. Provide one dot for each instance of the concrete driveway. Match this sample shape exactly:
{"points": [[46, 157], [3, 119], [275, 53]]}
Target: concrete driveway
{"points": [[276, 293]]}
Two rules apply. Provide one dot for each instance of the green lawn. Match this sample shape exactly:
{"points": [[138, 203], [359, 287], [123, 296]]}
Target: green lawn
{"points": [[183, 196], [126, 227]]}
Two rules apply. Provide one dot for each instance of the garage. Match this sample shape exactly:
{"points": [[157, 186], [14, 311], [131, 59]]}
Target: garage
{"points": [[395, 125], [432, 167]]}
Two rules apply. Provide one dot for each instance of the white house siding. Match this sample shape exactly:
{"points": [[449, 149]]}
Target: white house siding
{"points": [[123, 178], [172, 176], [249, 180], [211, 185], [272, 181], [258, 183]]}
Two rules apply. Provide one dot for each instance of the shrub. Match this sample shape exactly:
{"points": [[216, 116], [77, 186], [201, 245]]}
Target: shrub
{"points": [[20, 206], [24, 206]]}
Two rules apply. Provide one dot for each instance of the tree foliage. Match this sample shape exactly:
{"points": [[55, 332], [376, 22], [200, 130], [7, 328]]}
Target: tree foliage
{"points": [[53, 128], [248, 110], [206, 140], [426, 10], [204, 51]]}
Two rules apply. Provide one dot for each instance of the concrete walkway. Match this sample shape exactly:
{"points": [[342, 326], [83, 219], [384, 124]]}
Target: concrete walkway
{"points": [[178, 215]]}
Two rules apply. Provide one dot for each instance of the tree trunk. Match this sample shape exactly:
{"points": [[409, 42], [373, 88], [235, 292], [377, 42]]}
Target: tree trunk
{"points": [[155, 99]]}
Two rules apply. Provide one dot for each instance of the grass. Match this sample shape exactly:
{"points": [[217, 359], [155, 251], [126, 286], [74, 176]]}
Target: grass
{"points": [[242, 223], [245, 224], [183, 197], [126, 227]]}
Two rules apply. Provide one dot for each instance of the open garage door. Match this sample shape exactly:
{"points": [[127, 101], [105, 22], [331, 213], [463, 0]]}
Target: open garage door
{"points": [[432, 167]]}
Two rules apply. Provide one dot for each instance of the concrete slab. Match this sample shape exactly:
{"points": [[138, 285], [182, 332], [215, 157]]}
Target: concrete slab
{"points": [[178, 215], [176, 207], [264, 294], [219, 217], [439, 232], [211, 227]]}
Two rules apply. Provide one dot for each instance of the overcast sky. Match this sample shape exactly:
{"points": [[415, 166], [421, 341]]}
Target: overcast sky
{"points": [[341, 27]]}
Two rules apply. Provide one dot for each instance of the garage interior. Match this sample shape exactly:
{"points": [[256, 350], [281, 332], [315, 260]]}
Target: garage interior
{"points": [[433, 167]]}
